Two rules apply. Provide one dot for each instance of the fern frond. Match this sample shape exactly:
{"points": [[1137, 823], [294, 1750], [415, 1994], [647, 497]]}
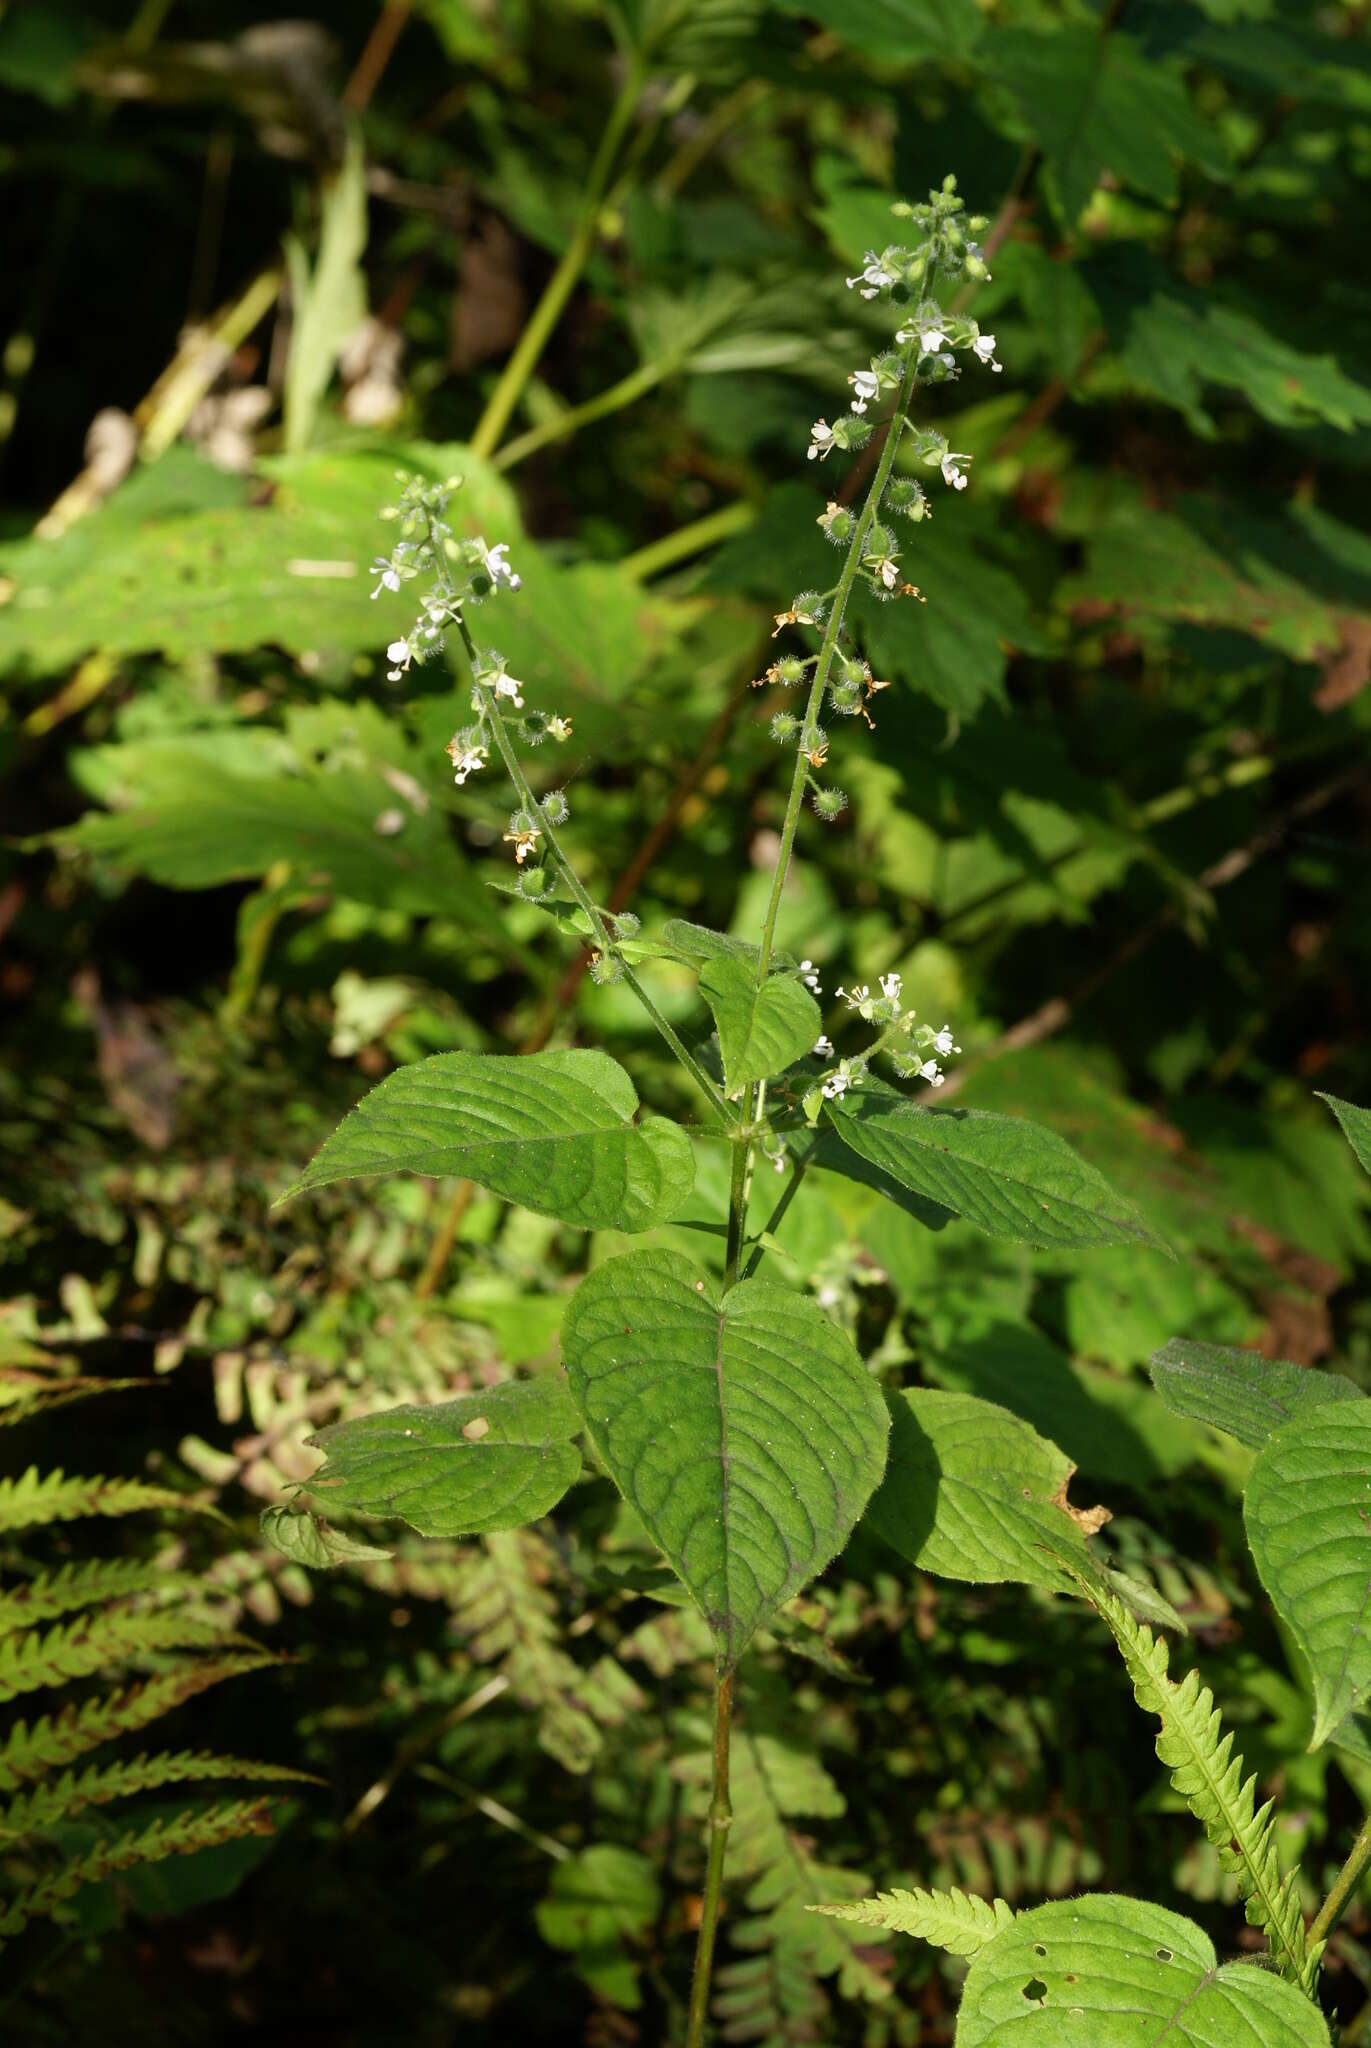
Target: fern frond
{"points": [[112, 1636], [182, 1835], [32, 1749], [26, 1394], [35, 1498], [59, 1797], [952, 1920], [81, 1585], [1209, 1777]]}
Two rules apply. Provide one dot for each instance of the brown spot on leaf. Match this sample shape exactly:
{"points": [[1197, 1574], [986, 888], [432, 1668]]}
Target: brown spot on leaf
{"points": [[1088, 1520], [474, 1430]]}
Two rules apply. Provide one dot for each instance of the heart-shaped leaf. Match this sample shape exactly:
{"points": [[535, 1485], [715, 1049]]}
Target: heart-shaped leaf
{"points": [[745, 1429], [1308, 1513], [1011, 1178], [973, 1492], [553, 1130], [1112, 1972], [487, 1461], [1240, 1392], [762, 1031]]}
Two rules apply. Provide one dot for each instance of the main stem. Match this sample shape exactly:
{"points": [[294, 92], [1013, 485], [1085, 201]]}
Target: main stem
{"points": [[1344, 1884], [719, 1822], [560, 285], [823, 666]]}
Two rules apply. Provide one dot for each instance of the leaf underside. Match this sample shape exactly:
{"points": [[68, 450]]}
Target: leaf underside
{"points": [[745, 1431]]}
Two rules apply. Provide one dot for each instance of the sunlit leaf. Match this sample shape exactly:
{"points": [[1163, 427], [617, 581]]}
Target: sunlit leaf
{"points": [[553, 1130], [491, 1460], [1248, 1396], [745, 1430], [762, 1031]]}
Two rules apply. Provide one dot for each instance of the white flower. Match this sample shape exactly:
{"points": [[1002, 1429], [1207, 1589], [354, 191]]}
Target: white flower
{"points": [[823, 1045], [506, 686], [809, 975], [983, 348], [951, 474], [820, 440], [838, 1082], [873, 276], [866, 385], [942, 1041], [891, 985], [400, 654], [828, 1295], [560, 728], [467, 761], [887, 568], [855, 997], [780, 1162], [929, 1072], [931, 337], [388, 573], [498, 570]]}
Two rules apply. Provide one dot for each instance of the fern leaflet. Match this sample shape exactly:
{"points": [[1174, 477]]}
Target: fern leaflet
{"points": [[1209, 1777], [952, 1920], [80, 1585], [80, 1648], [31, 1749], [59, 1797], [36, 1498], [180, 1836]]}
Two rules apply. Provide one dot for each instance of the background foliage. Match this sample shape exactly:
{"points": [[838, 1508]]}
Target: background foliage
{"points": [[1114, 822]]}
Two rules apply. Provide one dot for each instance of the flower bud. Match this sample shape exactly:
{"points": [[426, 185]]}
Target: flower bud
{"points": [[784, 727], [532, 883], [790, 669], [829, 804], [846, 699], [555, 807], [626, 925], [606, 969], [522, 822]]}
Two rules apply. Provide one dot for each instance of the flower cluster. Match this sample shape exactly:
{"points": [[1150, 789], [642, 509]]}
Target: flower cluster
{"points": [[927, 341], [915, 1049], [459, 573]]}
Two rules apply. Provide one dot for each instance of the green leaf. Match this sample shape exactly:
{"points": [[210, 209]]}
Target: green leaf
{"points": [[1110, 1972], [1240, 1392], [1356, 1125], [1011, 1178], [1094, 102], [305, 1540], [1307, 1508], [552, 1130], [899, 31], [329, 304], [745, 1430], [969, 1491], [598, 1905], [762, 1031], [951, 1920], [492, 1460]]}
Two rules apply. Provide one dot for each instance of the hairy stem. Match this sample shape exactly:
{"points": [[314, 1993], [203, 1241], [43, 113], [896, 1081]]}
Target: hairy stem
{"points": [[1344, 1885], [603, 937], [719, 1821], [560, 285], [829, 648]]}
